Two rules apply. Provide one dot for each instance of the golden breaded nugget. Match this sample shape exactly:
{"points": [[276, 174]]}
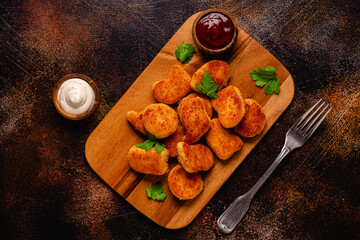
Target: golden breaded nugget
{"points": [[222, 141], [149, 162], [135, 119], [194, 158], [194, 118], [160, 120], [172, 141], [230, 106], [254, 120], [219, 71], [208, 106], [174, 87], [184, 185]]}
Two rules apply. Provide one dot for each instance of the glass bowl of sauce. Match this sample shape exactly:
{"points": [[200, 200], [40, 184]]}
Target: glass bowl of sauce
{"points": [[76, 96], [214, 31]]}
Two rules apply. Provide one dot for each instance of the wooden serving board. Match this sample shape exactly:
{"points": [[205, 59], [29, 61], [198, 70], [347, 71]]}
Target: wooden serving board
{"points": [[107, 146]]}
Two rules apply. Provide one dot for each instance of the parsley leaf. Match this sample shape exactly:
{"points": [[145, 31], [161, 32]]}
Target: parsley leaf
{"points": [[156, 192], [184, 52], [149, 144], [159, 147], [266, 77], [208, 86]]}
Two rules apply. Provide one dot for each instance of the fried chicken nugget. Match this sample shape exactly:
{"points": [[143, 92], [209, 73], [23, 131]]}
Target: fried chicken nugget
{"points": [[208, 106], [135, 120], [222, 141], [172, 141], [230, 106], [184, 185], [194, 158], [160, 120], [254, 120], [194, 118], [219, 71], [149, 162], [174, 87]]}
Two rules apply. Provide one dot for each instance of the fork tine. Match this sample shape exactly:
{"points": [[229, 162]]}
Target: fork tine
{"points": [[311, 118], [301, 119], [312, 130]]}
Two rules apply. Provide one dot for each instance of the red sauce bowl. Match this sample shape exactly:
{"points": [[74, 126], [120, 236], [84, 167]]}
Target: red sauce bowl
{"points": [[214, 31]]}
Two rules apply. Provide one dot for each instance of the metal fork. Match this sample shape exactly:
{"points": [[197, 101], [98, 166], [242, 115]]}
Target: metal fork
{"points": [[297, 135]]}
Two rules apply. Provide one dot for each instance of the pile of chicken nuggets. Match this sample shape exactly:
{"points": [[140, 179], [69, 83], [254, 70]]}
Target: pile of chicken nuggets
{"points": [[190, 117]]}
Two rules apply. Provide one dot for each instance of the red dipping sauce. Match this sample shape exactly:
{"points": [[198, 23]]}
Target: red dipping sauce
{"points": [[215, 30]]}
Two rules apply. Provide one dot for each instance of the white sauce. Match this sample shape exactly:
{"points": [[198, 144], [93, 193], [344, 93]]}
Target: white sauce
{"points": [[75, 96]]}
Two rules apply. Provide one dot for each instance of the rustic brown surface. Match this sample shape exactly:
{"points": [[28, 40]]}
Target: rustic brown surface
{"points": [[47, 189], [107, 147]]}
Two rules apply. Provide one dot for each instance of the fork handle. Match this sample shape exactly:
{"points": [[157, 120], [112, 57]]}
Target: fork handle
{"points": [[284, 151], [236, 211]]}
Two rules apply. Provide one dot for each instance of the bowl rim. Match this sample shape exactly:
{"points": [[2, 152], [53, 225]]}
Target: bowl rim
{"points": [[208, 50], [86, 113]]}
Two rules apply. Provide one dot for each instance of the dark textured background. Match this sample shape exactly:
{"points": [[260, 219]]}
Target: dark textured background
{"points": [[47, 189]]}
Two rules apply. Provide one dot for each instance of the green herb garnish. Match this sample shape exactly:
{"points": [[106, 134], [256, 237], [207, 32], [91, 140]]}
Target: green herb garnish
{"points": [[184, 52], [156, 192], [150, 143], [208, 86], [268, 78]]}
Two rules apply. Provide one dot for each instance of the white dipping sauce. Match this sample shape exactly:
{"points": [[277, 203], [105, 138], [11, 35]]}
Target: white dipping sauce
{"points": [[75, 96]]}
